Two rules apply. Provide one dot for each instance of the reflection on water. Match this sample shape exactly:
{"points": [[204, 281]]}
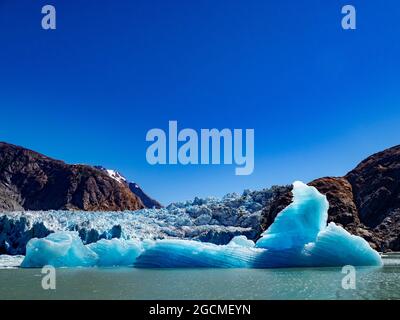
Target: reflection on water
{"points": [[131, 283]]}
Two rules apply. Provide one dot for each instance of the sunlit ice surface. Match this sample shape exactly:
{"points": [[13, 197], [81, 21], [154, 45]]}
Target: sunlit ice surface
{"points": [[299, 237]]}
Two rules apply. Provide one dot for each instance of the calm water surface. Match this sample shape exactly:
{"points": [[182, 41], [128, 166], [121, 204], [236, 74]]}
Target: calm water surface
{"points": [[131, 283]]}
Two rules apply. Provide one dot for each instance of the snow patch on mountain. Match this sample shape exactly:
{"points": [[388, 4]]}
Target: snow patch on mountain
{"points": [[113, 174]]}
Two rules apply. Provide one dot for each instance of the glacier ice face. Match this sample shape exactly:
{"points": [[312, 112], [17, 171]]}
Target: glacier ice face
{"points": [[209, 220], [299, 237]]}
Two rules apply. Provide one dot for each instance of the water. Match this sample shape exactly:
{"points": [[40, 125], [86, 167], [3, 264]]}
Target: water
{"points": [[131, 283]]}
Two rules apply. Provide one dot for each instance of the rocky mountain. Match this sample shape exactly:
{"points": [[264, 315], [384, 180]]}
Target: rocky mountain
{"points": [[147, 201], [32, 181], [366, 201]]}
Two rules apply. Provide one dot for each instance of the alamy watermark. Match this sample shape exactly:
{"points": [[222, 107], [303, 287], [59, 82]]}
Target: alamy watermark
{"points": [[186, 146], [49, 18], [348, 22], [349, 280], [49, 278]]}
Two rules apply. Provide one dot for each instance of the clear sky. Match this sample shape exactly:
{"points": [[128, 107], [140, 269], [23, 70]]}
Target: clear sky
{"points": [[319, 98]]}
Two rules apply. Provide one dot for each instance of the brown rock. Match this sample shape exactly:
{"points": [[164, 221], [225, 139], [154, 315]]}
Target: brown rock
{"points": [[376, 186], [339, 194], [32, 181]]}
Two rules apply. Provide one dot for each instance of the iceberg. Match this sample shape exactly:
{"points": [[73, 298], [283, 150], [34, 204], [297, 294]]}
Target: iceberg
{"points": [[299, 237], [60, 249], [300, 222], [116, 252], [175, 253], [65, 249], [10, 262]]}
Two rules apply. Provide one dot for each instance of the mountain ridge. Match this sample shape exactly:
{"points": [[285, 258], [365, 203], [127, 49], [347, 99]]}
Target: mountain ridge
{"points": [[147, 201], [30, 180]]}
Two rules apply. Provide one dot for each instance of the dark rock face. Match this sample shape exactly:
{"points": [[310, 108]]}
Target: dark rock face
{"points": [[281, 199], [376, 186], [147, 201], [32, 181], [339, 193], [376, 190], [366, 201]]}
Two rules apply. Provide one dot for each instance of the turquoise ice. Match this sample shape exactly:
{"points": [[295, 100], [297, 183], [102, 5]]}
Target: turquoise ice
{"points": [[60, 249], [299, 237]]}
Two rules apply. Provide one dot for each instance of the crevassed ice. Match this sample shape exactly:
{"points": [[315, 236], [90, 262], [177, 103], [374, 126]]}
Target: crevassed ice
{"points": [[299, 237], [201, 219]]}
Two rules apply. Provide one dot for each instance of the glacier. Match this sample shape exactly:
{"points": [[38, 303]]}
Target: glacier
{"points": [[205, 219], [299, 237]]}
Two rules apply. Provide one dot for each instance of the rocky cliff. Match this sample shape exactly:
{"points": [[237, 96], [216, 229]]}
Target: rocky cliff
{"points": [[32, 181]]}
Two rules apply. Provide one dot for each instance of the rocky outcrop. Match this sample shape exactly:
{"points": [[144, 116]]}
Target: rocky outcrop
{"points": [[339, 193], [366, 201], [147, 201], [376, 186], [32, 181]]}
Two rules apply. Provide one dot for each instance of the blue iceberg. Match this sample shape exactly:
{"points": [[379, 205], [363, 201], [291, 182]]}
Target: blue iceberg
{"points": [[116, 252], [299, 237], [175, 253], [60, 249]]}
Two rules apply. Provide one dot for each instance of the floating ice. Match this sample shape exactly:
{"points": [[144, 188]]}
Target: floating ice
{"points": [[300, 222], [8, 262], [116, 252], [299, 237], [60, 249], [193, 254], [65, 249]]}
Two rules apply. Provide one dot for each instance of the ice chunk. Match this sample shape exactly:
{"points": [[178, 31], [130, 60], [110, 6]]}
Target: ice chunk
{"points": [[65, 249], [241, 241], [116, 252], [7, 261], [335, 246], [61, 249], [193, 254], [300, 222]]}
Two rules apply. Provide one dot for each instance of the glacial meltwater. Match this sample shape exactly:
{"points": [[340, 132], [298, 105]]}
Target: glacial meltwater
{"points": [[133, 283]]}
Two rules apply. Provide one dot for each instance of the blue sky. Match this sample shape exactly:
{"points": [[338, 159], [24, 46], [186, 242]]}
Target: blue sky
{"points": [[319, 98]]}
